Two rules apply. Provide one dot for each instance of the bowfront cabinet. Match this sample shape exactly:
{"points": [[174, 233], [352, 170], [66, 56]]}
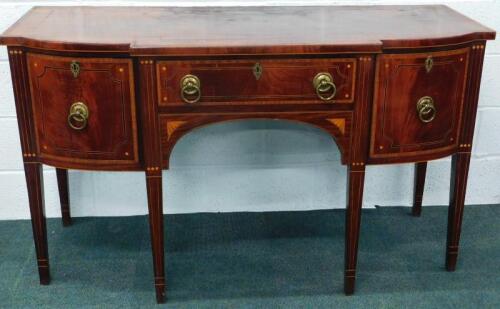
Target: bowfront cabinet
{"points": [[418, 104], [115, 88], [84, 110]]}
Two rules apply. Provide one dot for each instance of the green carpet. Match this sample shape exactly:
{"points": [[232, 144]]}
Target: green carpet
{"points": [[257, 260]]}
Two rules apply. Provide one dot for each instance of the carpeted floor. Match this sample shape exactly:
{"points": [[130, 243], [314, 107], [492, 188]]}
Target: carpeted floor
{"points": [[258, 260]]}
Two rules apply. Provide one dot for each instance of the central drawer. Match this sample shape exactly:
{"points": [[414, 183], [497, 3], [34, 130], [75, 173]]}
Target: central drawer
{"points": [[254, 82]]}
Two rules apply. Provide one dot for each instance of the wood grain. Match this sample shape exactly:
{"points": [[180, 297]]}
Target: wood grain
{"points": [[358, 156], [355, 185], [32, 168], [151, 153], [62, 185], [232, 82], [376, 55], [461, 159], [418, 188], [242, 30], [401, 81], [458, 185], [34, 179], [105, 86]]}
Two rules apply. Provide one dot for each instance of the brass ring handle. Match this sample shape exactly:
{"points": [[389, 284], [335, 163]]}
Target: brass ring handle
{"points": [[426, 109], [323, 83], [190, 89], [78, 116]]}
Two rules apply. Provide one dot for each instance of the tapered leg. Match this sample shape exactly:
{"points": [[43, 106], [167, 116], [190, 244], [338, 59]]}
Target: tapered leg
{"points": [[34, 181], [154, 188], [418, 190], [355, 185], [458, 184], [62, 183]]}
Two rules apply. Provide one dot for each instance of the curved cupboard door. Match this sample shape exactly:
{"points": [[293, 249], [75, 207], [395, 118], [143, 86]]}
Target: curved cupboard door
{"points": [[418, 104], [84, 109]]}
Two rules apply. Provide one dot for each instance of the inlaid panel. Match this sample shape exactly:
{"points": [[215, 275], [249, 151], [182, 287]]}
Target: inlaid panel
{"points": [[84, 109], [256, 82], [418, 103]]}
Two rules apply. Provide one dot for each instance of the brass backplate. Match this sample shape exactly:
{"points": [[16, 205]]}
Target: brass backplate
{"points": [[428, 64], [75, 68]]}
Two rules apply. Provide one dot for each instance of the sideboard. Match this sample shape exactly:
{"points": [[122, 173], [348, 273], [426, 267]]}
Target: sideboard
{"points": [[114, 88]]}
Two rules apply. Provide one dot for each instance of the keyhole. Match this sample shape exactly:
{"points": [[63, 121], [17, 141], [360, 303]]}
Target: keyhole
{"points": [[257, 71]]}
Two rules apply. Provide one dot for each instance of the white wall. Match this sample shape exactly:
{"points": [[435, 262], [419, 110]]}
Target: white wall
{"points": [[253, 165]]}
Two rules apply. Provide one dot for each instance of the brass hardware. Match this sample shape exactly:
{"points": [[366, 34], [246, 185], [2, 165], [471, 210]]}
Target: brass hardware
{"points": [[190, 87], [75, 68], [78, 116], [323, 83], [428, 64], [257, 70], [426, 109]]}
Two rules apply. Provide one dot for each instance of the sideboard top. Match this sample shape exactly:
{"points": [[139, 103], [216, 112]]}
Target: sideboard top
{"points": [[242, 30]]}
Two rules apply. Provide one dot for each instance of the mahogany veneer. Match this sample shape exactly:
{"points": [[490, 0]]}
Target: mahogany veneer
{"points": [[105, 87], [114, 88], [232, 82], [401, 79]]}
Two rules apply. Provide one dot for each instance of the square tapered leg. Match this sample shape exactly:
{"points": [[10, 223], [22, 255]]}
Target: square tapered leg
{"points": [[355, 185], [62, 184], [458, 184], [418, 190], [34, 180], [154, 189]]}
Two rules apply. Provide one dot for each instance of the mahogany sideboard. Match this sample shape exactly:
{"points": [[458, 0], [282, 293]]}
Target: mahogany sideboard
{"points": [[114, 88]]}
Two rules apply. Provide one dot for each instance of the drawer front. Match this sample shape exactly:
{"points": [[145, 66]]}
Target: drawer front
{"points": [[418, 103], [84, 108], [238, 82]]}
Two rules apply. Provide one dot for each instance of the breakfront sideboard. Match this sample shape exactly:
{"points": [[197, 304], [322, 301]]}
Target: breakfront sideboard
{"points": [[114, 88]]}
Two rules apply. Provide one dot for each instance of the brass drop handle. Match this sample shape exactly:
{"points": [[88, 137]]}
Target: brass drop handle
{"points": [[325, 88], [426, 109], [190, 89], [78, 116]]}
